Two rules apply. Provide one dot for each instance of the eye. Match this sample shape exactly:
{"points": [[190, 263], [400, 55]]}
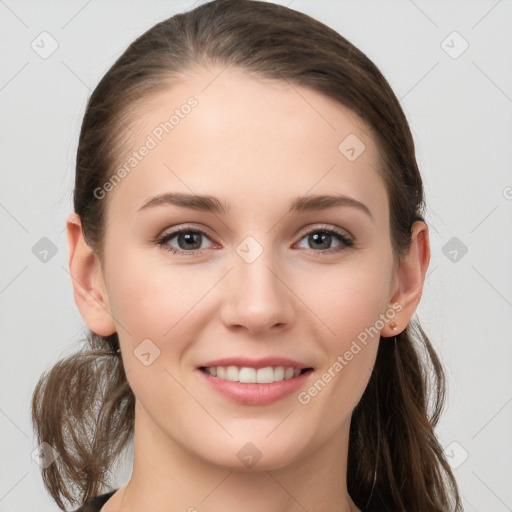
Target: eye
{"points": [[324, 237], [189, 241]]}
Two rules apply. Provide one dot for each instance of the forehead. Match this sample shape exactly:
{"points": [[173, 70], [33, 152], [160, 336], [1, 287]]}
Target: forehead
{"points": [[223, 132]]}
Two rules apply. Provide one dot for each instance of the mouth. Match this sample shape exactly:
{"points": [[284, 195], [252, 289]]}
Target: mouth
{"points": [[262, 383], [252, 375]]}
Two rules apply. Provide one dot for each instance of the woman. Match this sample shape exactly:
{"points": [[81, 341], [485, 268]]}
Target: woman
{"points": [[247, 249]]}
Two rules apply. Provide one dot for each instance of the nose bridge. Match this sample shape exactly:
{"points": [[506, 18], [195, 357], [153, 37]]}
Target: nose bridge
{"points": [[258, 297]]}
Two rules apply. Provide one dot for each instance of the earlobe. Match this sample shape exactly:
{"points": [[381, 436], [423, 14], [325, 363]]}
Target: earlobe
{"points": [[88, 285], [411, 276]]}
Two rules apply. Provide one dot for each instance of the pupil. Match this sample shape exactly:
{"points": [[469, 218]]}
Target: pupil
{"points": [[324, 237], [190, 239]]}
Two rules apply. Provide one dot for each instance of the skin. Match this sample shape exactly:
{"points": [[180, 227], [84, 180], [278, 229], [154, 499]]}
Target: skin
{"points": [[256, 145]]}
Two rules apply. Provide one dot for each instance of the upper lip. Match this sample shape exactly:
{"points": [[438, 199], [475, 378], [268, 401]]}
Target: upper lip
{"points": [[255, 363]]}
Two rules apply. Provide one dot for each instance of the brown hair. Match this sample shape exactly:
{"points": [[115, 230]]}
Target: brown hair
{"points": [[84, 407]]}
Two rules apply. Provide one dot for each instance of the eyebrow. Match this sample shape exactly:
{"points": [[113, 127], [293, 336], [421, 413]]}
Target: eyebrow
{"points": [[211, 204]]}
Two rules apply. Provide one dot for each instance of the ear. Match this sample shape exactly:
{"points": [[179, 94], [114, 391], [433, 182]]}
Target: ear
{"points": [[411, 276], [88, 285]]}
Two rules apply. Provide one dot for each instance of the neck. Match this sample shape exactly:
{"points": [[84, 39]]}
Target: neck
{"points": [[168, 478]]}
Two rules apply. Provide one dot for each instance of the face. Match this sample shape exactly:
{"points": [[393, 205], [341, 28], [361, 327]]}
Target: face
{"points": [[262, 275]]}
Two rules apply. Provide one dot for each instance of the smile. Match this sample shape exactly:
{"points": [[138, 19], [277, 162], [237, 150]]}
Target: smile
{"points": [[248, 375]]}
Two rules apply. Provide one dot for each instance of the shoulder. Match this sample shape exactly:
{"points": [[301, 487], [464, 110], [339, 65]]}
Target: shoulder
{"points": [[95, 504]]}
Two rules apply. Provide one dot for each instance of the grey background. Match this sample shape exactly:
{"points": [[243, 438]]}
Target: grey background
{"points": [[460, 111]]}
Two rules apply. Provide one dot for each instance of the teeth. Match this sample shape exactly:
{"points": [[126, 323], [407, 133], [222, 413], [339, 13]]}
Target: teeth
{"points": [[248, 375], [252, 375], [232, 373]]}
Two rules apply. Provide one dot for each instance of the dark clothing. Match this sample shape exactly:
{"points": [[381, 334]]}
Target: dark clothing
{"points": [[95, 504]]}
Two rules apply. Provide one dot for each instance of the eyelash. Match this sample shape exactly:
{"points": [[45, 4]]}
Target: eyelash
{"points": [[346, 242]]}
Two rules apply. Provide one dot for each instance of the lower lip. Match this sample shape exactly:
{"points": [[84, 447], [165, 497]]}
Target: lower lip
{"points": [[256, 394]]}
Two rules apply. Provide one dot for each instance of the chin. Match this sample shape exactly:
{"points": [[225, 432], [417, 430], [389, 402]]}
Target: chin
{"points": [[257, 455]]}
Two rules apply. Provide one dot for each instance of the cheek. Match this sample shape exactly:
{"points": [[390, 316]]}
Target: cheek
{"points": [[154, 299], [149, 296], [347, 298], [154, 305], [350, 303]]}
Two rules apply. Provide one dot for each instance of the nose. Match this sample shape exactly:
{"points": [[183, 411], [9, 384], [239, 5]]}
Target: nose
{"points": [[258, 297]]}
